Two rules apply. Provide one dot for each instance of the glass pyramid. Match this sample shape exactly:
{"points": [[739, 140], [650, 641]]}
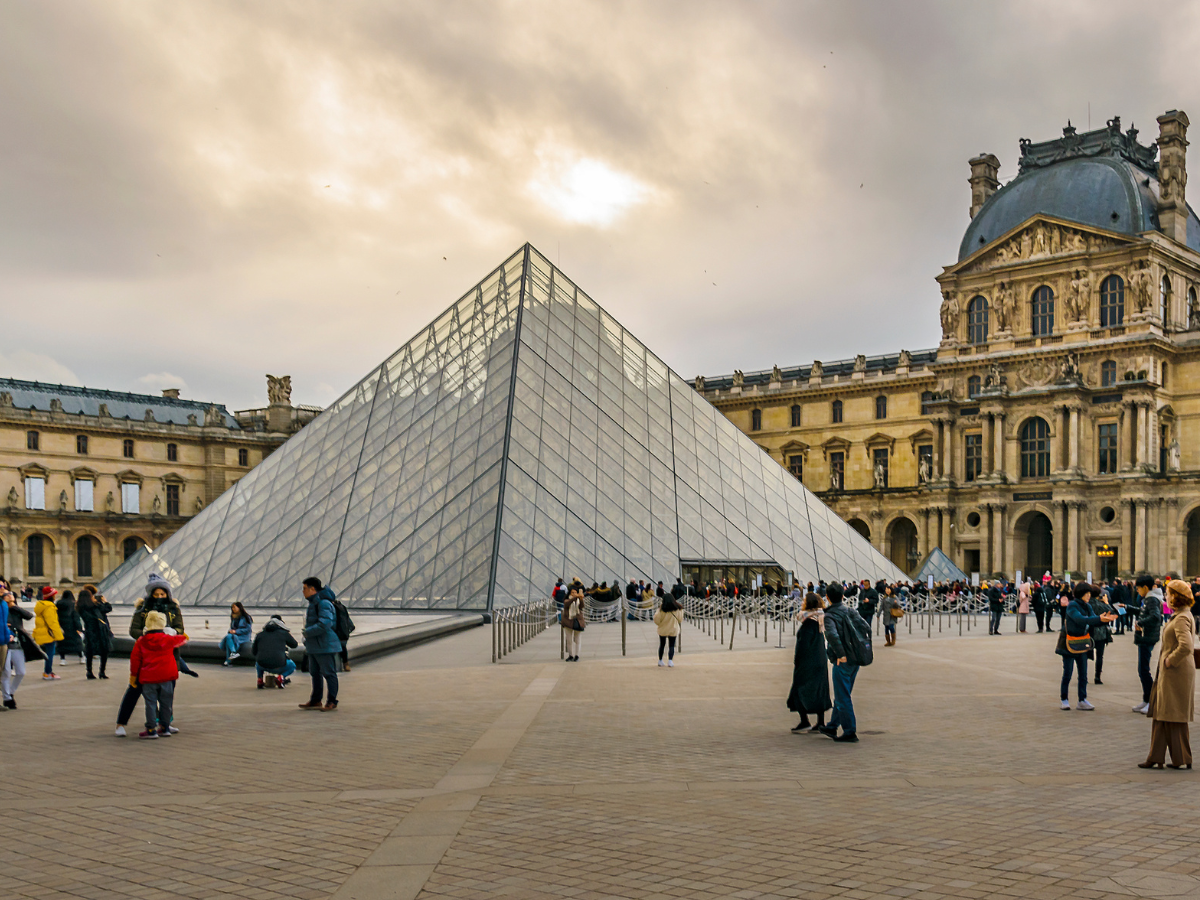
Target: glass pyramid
{"points": [[523, 436], [940, 566]]}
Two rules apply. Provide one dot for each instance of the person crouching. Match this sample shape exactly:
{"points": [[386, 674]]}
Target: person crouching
{"points": [[152, 667], [271, 654]]}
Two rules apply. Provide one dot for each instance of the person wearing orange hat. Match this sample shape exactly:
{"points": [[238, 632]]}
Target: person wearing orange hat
{"points": [[46, 630], [1173, 700]]}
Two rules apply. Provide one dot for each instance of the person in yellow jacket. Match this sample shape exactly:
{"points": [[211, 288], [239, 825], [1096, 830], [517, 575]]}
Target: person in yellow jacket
{"points": [[669, 618], [46, 630]]}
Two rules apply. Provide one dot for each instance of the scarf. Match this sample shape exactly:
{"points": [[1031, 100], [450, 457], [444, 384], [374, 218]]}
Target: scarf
{"points": [[818, 614]]}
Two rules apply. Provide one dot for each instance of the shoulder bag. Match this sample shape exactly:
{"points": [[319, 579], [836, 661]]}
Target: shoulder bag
{"points": [[1080, 645]]}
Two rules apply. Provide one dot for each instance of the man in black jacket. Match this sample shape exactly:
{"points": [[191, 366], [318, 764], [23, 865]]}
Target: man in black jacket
{"points": [[845, 632], [995, 608], [271, 652]]}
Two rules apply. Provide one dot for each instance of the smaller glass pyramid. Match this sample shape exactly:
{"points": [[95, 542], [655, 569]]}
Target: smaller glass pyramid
{"points": [[939, 565], [523, 436]]}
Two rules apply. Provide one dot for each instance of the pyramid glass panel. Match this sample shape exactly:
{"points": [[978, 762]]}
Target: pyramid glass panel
{"points": [[524, 432]]}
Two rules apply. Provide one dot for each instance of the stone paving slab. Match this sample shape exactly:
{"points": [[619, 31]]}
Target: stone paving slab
{"points": [[442, 775]]}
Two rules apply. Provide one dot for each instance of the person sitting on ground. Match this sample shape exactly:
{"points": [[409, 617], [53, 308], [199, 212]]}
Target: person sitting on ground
{"points": [[152, 668], [271, 654], [240, 629], [669, 619]]}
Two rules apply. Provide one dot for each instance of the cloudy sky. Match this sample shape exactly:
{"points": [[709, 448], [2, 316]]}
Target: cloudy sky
{"points": [[193, 194]]}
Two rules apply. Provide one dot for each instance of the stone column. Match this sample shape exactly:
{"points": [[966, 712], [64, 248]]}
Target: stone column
{"points": [[1058, 560], [998, 538], [1126, 560], [947, 542], [12, 554], [67, 566], [989, 459], [1073, 537], [57, 566], [937, 450], [1172, 535], [998, 466], [1143, 419], [946, 451], [1125, 450], [1074, 452], [925, 542], [1140, 536]]}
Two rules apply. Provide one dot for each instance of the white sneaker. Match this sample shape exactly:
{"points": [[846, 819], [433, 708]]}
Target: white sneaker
{"points": [[1142, 708], [661, 663], [671, 663], [1066, 704], [120, 732], [1083, 704], [172, 729], [234, 655]]}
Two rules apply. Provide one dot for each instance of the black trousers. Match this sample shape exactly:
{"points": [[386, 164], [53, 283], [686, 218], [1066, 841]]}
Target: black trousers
{"points": [[1144, 651], [320, 665], [1040, 614], [662, 642], [1099, 659]]}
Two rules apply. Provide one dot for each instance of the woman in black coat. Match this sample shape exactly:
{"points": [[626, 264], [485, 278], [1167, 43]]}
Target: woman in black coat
{"points": [[810, 676], [72, 628], [97, 633]]}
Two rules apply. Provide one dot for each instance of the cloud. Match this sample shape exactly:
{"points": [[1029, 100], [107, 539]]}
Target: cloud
{"points": [[29, 366], [586, 191], [158, 381]]}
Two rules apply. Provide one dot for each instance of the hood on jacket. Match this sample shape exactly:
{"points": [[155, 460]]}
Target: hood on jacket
{"points": [[156, 581], [323, 594], [275, 624]]}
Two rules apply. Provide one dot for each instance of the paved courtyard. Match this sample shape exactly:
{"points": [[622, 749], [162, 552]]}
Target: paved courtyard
{"points": [[445, 776]]}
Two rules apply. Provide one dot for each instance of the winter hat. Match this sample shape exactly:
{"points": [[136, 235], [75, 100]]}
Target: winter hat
{"points": [[156, 581], [49, 593], [155, 621], [1182, 590]]}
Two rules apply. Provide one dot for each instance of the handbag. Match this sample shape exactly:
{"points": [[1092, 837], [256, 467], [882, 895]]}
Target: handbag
{"points": [[897, 612], [1080, 644]]}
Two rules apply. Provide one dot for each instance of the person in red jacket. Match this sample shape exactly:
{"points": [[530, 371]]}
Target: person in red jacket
{"points": [[152, 667]]}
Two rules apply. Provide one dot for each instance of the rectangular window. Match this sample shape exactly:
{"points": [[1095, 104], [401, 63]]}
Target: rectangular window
{"points": [[83, 557], [172, 499], [131, 498], [972, 456], [836, 411], [81, 444], [879, 466], [84, 491], [172, 453], [837, 470], [35, 557], [796, 466], [35, 493], [1108, 449], [32, 440], [127, 448], [244, 455]]}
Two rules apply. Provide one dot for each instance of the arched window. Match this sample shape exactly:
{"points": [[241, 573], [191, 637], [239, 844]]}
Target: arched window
{"points": [[756, 420], [35, 556], [1042, 312], [881, 407], [796, 416], [836, 411], [973, 385], [130, 546], [1108, 373], [1164, 297], [1112, 301], [977, 320], [1035, 448]]}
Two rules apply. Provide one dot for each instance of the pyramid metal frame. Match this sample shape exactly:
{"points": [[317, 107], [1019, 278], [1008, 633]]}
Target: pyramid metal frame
{"points": [[522, 436], [940, 566]]}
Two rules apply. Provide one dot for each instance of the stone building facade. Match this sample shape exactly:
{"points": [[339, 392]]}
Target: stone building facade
{"points": [[87, 477], [1056, 426]]}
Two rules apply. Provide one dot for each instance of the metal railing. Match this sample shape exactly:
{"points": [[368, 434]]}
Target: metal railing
{"points": [[512, 626]]}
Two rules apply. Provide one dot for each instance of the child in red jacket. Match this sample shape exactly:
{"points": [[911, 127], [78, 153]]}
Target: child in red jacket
{"points": [[152, 666]]}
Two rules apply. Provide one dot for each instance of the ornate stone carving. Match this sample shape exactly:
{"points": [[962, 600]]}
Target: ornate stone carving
{"points": [[103, 411], [62, 501], [949, 311], [860, 363], [156, 506], [1140, 287], [279, 389], [923, 473], [777, 374], [738, 378], [880, 475], [55, 405], [199, 504], [6, 399], [109, 503], [1002, 309], [1068, 367], [817, 369], [149, 417], [905, 360], [1040, 240], [1173, 456], [12, 498], [699, 383], [213, 416], [1078, 296]]}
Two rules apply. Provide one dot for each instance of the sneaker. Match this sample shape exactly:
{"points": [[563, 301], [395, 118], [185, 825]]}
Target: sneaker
{"points": [[120, 732], [1083, 704], [11, 703], [148, 735], [661, 663], [827, 730], [172, 729], [1141, 708], [1066, 704], [50, 676], [670, 663], [261, 685], [802, 727], [346, 667], [847, 737], [234, 655], [164, 732], [225, 663]]}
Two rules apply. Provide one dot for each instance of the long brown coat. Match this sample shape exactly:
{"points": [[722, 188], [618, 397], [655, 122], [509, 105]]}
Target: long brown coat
{"points": [[1174, 694]]}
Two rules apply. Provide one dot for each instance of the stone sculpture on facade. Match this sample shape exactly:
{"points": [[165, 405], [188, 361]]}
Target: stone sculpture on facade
{"points": [[905, 360], [880, 475], [109, 502], [699, 384], [949, 312], [923, 473], [156, 506], [1139, 287], [1078, 296], [777, 374], [62, 501], [817, 370], [279, 389], [738, 378], [860, 363], [1003, 308], [12, 498]]}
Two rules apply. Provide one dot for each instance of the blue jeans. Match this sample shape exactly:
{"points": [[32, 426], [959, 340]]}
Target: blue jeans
{"points": [[1079, 661], [48, 649], [288, 668], [158, 697], [321, 664], [995, 621], [230, 645], [843, 709]]}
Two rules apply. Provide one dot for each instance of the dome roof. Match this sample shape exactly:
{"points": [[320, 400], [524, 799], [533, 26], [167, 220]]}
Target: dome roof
{"points": [[1102, 178]]}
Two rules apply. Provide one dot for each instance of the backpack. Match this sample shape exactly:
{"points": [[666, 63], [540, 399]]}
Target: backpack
{"points": [[343, 625], [858, 648]]}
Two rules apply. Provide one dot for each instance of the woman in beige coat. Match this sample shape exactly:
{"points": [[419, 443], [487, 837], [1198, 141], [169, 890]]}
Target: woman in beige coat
{"points": [[1172, 702], [668, 619]]}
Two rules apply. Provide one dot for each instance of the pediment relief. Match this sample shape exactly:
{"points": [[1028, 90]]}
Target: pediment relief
{"points": [[1039, 238], [794, 447], [879, 439]]}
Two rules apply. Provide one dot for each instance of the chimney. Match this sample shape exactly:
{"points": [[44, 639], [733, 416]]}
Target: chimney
{"points": [[983, 181], [172, 393], [1172, 175]]}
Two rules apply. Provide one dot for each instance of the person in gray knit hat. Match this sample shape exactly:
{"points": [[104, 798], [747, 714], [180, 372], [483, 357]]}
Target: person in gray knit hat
{"points": [[158, 598]]}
